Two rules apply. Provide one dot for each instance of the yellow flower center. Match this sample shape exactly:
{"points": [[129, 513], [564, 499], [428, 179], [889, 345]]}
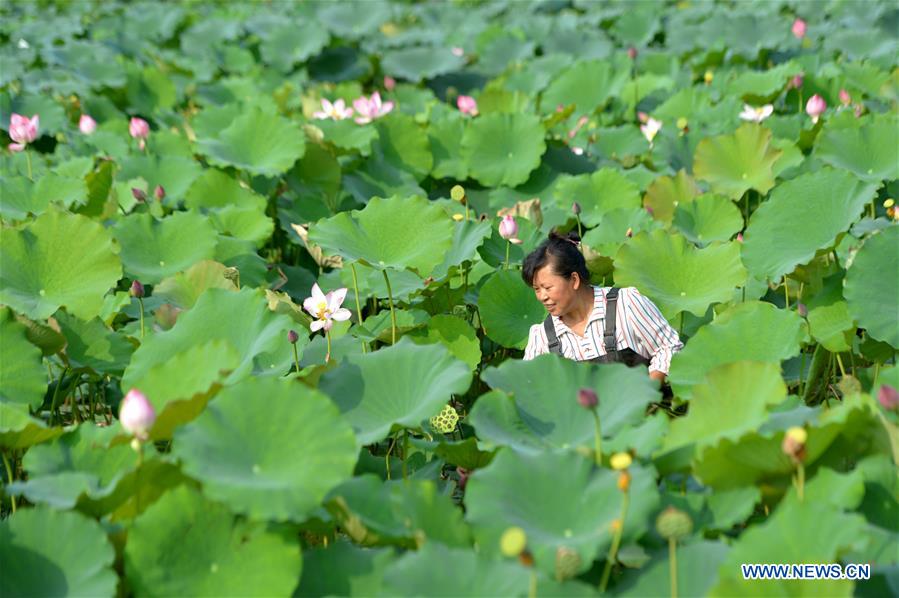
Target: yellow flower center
{"points": [[321, 310]]}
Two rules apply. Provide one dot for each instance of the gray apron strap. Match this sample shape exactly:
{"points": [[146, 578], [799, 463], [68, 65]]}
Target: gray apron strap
{"points": [[608, 335], [551, 337]]}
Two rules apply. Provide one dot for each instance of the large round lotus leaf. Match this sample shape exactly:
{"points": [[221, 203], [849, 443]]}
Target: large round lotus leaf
{"points": [[616, 228], [395, 386], [872, 285], [445, 135], [184, 288], [832, 326], [503, 149], [467, 239], [388, 233], [560, 500], [185, 545], [154, 249], [57, 260], [666, 193], [404, 144], [871, 151], [765, 84], [525, 420], [174, 173], [697, 571], [508, 308], [242, 318], [456, 334], [598, 193], [752, 331], [292, 42], [422, 62], [676, 275], [708, 218], [401, 512], [215, 189], [92, 345], [568, 88], [249, 224], [53, 553], [347, 21], [343, 569], [806, 532], [23, 379], [733, 400], [18, 430], [257, 142], [437, 570], [347, 135], [269, 448], [781, 235], [732, 164]]}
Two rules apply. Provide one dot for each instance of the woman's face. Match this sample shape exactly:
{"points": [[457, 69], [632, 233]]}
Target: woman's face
{"points": [[556, 293]]}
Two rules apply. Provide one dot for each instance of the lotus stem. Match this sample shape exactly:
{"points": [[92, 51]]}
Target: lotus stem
{"points": [[801, 373], [532, 585], [358, 307], [579, 233], [392, 311], [800, 481], [140, 302], [405, 453], [9, 480], [613, 549], [296, 357], [786, 294], [508, 245], [840, 363], [328, 354], [799, 109], [54, 404], [387, 457], [28, 163], [672, 565], [466, 211], [140, 463], [597, 437]]}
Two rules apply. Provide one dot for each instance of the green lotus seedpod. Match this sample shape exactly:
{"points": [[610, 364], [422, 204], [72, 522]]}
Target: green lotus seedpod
{"points": [[513, 541], [457, 193], [674, 523], [445, 421], [568, 563]]}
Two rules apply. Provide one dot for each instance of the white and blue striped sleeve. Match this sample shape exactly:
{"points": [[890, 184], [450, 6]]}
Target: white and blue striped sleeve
{"points": [[657, 338], [537, 342]]}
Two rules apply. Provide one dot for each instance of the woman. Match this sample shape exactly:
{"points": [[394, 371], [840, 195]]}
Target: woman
{"points": [[579, 315]]}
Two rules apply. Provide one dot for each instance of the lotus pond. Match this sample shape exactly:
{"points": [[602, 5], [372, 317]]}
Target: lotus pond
{"points": [[275, 228]]}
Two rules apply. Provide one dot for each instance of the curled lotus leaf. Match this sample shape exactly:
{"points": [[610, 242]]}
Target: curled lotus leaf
{"points": [[503, 149], [733, 164], [872, 285]]}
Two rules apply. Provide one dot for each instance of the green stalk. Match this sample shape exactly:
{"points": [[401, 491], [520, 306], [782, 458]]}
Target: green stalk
{"points": [[579, 233], [800, 481], [387, 457], [28, 162], [786, 294], [405, 453], [358, 307], [140, 302], [508, 245], [296, 357], [392, 311], [9, 479], [54, 404], [532, 585], [613, 550], [672, 565], [598, 437], [328, 354]]}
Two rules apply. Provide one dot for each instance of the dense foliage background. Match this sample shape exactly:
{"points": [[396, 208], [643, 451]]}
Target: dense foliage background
{"points": [[736, 162]]}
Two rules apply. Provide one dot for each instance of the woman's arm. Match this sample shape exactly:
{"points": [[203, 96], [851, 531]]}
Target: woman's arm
{"points": [[652, 331]]}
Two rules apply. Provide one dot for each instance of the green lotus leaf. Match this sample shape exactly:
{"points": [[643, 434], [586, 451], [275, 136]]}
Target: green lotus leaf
{"points": [[806, 532], [403, 512], [559, 500], [437, 569], [380, 326], [697, 571], [215, 189], [347, 135], [18, 430], [467, 239], [734, 336], [175, 173], [57, 260], [496, 52], [708, 218], [616, 227], [445, 137], [23, 380], [752, 84], [404, 144], [92, 345], [154, 249], [733, 400], [508, 309], [185, 545], [242, 318], [248, 224], [403, 283], [733, 164], [598, 193], [422, 62], [872, 282], [666, 194], [257, 473], [184, 288], [527, 420], [55, 554], [349, 22], [871, 151], [388, 233], [396, 386], [676, 275], [63, 190], [18, 199], [832, 326], [503, 149], [619, 142], [343, 569], [455, 334], [290, 43], [840, 490], [257, 142], [781, 236], [568, 88], [463, 454]]}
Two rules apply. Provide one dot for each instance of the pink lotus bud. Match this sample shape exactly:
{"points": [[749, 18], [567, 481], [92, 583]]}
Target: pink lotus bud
{"points": [[292, 337], [138, 128], [463, 476], [137, 289], [650, 211], [739, 237], [139, 194], [802, 310], [389, 83], [888, 397], [796, 82], [845, 98], [467, 105], [632, 53], [159, 192], [457, 51], [86, 124], [576, 208], [508, 228], [23, 130], [137, 414], [815, 107], [642, 117], [799, 28], [587, 398]]}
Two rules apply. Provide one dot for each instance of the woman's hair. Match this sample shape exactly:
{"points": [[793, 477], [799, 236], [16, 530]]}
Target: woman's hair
{"points": [[561, 253]]}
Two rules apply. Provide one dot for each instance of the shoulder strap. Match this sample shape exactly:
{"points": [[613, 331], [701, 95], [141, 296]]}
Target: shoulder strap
{"points": [[551, 337], [608, 335]]}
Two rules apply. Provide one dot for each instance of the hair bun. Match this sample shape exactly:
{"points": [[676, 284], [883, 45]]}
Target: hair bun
{"points": [[570, 236]]}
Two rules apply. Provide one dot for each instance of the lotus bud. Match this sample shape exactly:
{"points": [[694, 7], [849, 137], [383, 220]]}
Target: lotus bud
{"points": [[793, 444], [513, 542], [587, 398], [464, 474], [681, 123], [624, 481], [650, 211], [576, 208], [674, 523], [292, 337], [159, 192], [815, 107], [467, 105], [620, 461], [137, 414], [889, 203], [708, 77], [389, 83], [802, 310], [739, 237], [23, 130], [845, 98], [799, 28], [568, 563], [632, 53], [796, 82], [137, 289], [642, 117], [138, 128], [508, 228], [139, 194], [888, 397], [457, 193], [457, 51], [86, 124]]}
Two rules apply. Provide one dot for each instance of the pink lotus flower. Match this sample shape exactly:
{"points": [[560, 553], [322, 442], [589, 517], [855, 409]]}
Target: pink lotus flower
{"points": [[888, 397], [389, 83], [371, 108], [508, 229], [577, 151], [138, 128], [845, 98], [796, 82], [756, 115], [815, 107], [651, 129], [467, 105], [457, 51], [799, 28], [326, 308], [336, 111], [86, 124], [137, 414], [22, 131]]}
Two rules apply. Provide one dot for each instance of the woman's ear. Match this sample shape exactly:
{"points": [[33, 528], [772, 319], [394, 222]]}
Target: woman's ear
{"points": [[575, 280]]}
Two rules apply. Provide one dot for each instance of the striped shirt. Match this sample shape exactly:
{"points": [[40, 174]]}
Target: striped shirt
{"points": [[639, 326]]}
